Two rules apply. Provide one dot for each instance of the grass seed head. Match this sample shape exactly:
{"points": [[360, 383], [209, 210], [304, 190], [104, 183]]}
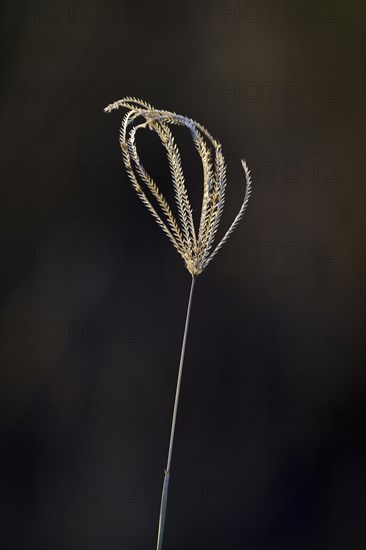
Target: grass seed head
{"points": [[195, 245]]}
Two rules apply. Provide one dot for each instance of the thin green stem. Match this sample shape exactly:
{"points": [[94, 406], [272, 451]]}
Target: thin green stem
{"points": [[164, 495]]}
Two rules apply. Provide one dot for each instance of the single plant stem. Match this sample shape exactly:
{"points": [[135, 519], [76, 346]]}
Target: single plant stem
{"points": [[164, 495]]}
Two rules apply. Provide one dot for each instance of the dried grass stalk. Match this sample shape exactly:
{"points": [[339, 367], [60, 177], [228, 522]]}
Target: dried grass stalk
{"points": [[196, 248]]}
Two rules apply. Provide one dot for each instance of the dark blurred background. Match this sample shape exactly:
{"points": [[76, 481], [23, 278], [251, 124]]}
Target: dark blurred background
{"points": [[268, 450]]}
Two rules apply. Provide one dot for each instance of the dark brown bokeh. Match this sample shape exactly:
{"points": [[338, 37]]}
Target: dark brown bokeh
{"points": [[268, 451]]}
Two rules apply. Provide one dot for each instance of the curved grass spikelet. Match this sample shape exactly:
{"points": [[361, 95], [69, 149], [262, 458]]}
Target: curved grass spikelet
{"points": [[195, 247]]}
